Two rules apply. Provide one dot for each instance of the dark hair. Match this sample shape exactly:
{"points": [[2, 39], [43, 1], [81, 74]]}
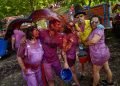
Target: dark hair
{"points": [[79, 10], [99, 18], [68, 28], [53, 21], [29, 32]]}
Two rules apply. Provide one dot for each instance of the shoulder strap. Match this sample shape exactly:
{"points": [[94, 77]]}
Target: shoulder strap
{"points": [[26, 48]]}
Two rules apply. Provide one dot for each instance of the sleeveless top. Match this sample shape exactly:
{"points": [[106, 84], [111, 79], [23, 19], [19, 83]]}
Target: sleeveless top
{"points": [[34, 55]]}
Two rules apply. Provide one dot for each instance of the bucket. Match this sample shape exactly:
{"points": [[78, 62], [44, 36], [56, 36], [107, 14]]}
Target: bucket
{"points": [[3, 47], [66, 75]]}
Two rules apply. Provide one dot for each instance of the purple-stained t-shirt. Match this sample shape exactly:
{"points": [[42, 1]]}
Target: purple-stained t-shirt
{"points": [[50, 45], [32, 55], [82, 28], [18, 35], [99, 52], [71, 53]]}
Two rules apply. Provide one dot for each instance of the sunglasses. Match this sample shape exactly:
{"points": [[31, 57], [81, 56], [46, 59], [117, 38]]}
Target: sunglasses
{"points": [[94, 22], [81, 15]]}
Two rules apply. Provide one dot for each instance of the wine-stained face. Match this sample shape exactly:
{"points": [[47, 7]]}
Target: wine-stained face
{"points": [[94, 22], [56, 26], [35, 33], [80, 18]]}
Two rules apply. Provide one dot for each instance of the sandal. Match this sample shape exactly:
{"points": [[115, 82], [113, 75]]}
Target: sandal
{"points": [[74, 84], [105, 83], [81, 76]]}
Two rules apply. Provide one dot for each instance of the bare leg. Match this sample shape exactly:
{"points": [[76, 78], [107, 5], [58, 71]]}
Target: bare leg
{"points": [[51, 83], [108, 71], [75, 75], [82, 66], [61, 82], [96, 75]]}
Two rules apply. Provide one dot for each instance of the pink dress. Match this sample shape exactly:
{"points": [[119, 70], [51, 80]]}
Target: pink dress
{"points": [[99, 52]]}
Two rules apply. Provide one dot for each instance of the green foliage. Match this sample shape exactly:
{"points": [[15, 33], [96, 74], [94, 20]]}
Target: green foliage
{"points": [[42, 23], [62, 10], [20, 7], [25, 7], [14, 8]]}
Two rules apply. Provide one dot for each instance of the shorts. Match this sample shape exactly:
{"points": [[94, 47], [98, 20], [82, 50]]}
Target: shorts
{"points": [[51, 68], [86, 58]]}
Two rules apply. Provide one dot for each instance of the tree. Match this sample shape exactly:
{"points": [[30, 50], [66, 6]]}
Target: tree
{"points": [[25, 7]]}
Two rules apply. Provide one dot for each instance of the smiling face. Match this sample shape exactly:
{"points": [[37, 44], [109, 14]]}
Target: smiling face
{"points": [[32, 33], [94, 22], [80, 18], [56, 26], [35, 33]]}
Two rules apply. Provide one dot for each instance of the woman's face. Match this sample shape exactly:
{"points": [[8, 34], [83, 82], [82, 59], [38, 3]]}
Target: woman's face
{"points": [[94, 22], [36, 33]]}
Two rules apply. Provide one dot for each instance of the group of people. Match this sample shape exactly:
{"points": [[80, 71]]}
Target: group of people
{"points": [[38, 57]]}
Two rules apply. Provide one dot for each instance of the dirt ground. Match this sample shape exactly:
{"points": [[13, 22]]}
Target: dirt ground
{"points": [[10, 74]]}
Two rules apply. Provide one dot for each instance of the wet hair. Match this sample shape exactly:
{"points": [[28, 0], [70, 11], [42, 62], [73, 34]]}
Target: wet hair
{"points": [[53, 21], [99, 18], [67, 29], [29, 32]]}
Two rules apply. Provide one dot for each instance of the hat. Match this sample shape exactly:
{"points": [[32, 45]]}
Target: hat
{"points": [[79, 10], [66, 75]]}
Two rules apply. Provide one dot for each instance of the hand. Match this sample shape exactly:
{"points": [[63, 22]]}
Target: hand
{"points": [[78, 29], [71, 39], [66, 66]]}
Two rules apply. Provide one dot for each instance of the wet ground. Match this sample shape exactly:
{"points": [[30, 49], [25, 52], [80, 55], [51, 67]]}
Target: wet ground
{"points": [[10, 74]]}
